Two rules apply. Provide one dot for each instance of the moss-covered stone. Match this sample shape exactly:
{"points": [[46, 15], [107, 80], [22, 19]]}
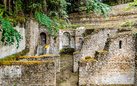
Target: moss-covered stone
{"points": [[88, 57], [25, 62], [66, 51], [87, 60], [26, 57], [15, 56], [76, 52]]}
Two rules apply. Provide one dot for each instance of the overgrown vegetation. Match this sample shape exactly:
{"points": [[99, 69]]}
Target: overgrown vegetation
{"points": [[116, 2], [52, 14], [132, 5], [66, 51]]}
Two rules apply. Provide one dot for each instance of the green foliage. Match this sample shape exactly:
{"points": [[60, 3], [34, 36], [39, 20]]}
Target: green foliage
{"points": [[97, 7], [18, 7], [66, 51], [55, 16], [9, 34], [131, 6], [135, 34], [116, 2], [62, 81], [45, 21]]}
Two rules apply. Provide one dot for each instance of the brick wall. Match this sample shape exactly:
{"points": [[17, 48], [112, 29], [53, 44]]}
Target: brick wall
{"points": [[115, 66], [27, 73], [55, 58], [92, 43]]}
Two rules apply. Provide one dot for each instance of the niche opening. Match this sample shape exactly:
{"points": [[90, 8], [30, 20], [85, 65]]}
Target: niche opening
{"points": [[120, 44], [42, 38]]}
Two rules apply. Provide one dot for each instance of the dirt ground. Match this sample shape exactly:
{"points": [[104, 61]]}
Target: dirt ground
{"points": [[66, 77]]}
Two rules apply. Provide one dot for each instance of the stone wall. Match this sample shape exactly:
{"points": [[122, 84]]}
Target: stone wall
{"points": [[27, 73], [76, 58], [90, 69], [40, 47], [55, 58], [135, 74], [136, 61], [79, 36], [54, 45], [34, 36], [30, 33], [9, 50], [122, 59], [115, 66], [62, 39], [92, 43], [96, 41]]}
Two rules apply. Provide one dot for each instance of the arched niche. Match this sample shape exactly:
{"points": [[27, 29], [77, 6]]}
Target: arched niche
{"points": [[66, 39], [42, 38]]}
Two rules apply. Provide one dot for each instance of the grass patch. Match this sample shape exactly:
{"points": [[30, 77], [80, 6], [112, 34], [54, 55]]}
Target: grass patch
{"points": [[62, 81]]}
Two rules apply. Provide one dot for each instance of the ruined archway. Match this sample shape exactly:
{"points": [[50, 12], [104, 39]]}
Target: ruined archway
{"points": [[66, 39], [42, 38], [42, 44]]}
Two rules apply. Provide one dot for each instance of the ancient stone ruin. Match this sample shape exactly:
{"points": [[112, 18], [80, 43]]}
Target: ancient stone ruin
{"points": [[103, 55]]}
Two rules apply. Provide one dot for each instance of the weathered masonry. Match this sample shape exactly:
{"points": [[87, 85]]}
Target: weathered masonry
{"points": [[104, 56], [112, 58], [36, 38], [26, 73]]}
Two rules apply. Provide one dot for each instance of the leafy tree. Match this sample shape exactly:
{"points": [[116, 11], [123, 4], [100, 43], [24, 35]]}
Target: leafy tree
{"points": [[52, 14], [9, 34]]}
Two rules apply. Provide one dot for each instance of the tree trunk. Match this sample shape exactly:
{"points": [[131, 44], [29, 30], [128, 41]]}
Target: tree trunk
{"points": [[31, 11], [5, 3], [10, 6], [44, 6]]}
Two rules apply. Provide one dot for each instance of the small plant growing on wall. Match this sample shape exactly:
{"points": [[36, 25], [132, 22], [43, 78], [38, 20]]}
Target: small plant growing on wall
{"points": [[66, 51]]}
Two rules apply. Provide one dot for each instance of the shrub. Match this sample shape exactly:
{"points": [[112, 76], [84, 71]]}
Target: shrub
{"points": [[66, 51]]}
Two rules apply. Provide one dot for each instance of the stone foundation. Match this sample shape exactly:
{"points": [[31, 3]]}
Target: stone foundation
{"points": [[76, 58], [55, 58], [113, 66], [27, 73]]}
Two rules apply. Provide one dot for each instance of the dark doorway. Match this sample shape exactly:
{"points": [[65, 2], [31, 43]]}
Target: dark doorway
{"points": [[42, 38]]}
